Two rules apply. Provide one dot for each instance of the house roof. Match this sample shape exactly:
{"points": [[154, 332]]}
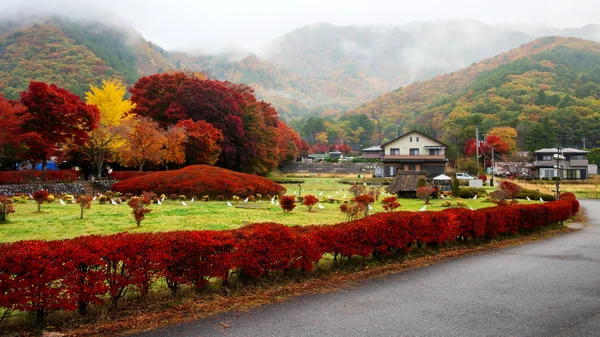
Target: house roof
{"points": [[412, 132], [442, 177], [416, 160], [563, 151], [318, 155], [372, 148]]}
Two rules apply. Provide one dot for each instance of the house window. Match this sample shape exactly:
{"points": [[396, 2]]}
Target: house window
{"points": [[578, 157], [544, 157], [411, 167], [434, 152], [414, 152], [394, 152], [392, 171], [411, 139], [417, 139]]}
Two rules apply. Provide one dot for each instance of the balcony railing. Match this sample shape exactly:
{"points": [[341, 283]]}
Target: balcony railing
{"points": [[428, 157]]}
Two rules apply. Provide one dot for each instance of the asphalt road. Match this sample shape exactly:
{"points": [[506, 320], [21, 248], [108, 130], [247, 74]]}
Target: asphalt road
{"points": [[548, 288]]}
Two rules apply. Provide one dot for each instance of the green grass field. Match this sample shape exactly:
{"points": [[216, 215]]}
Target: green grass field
{"points": [[62, 221]]}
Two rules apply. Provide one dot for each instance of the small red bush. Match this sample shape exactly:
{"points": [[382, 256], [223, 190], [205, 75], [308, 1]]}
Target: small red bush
{"points": [[39, 197], [310, 200], [425, 192], [139, 206], [6, 207], [390, 203], [511, 189], [287, 203]]}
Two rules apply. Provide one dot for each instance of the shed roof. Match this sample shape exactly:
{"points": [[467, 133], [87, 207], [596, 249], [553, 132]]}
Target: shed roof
{"points": [[406, 181]]}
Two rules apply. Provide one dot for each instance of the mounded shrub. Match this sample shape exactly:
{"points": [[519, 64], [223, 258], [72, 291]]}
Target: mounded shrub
{"points": [[470, 192], [200, 180]]}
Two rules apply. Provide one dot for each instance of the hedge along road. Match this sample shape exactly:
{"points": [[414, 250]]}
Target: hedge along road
{"points": [[546, 288]]}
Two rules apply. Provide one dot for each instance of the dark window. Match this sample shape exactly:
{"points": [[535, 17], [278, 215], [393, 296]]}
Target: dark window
{"points": [[410, 139], [411, 167], [434, 152], [417, 139], [414, 152], [544, 157], [394, 152], [578, 157]]}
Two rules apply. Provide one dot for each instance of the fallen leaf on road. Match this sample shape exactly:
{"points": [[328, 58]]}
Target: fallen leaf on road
{"points": [[225, 325]]}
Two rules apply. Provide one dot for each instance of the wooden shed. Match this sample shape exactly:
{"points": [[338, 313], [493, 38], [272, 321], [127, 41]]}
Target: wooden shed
{"points": [[405, 183]]}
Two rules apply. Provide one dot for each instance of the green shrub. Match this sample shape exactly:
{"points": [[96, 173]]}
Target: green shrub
{"points": [[534, 195], [470, 192]]}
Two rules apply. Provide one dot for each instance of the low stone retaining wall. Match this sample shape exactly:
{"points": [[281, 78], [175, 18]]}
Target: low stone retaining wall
{"points": [[53, 188], [331, 168]]}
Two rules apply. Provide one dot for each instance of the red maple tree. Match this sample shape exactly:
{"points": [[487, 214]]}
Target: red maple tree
{"points": [[57, 116]]}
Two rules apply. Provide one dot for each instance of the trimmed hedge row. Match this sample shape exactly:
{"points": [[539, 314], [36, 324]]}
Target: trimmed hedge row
{"points": [[200, 180], [39, 276], [28, 176], [123, 175]]}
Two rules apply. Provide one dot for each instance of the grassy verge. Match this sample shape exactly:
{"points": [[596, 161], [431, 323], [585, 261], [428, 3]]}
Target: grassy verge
{"points": [[138, 315]]}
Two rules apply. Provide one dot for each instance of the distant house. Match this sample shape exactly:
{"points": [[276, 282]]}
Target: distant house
{"points": [[373, 152], [414, 151], [574, 165]]}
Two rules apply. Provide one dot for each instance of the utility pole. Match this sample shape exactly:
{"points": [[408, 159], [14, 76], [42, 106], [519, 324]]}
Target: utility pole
{"points": [[583, 140], [477, 148], [492, 179], [397, 126], [558, 172]]}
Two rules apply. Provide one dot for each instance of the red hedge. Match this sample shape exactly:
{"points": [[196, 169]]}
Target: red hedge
{"points": [[199, 180], [123, 175], [40, 276], [34, 176]]}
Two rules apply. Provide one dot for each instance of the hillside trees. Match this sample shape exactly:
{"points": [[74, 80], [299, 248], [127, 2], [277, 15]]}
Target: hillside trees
{"points": [[108, 137], [57, 116], [12, 117]]}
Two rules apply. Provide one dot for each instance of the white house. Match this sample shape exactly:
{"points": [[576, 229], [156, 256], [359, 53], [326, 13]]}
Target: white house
{"points": [[414, 151]]}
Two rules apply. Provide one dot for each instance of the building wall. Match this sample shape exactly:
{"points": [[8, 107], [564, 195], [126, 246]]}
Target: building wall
{"points": [[404, 144]]}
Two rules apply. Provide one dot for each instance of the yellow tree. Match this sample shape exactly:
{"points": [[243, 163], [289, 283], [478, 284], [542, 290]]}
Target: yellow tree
{"points": [[507, 134], [108, 137], [144, 143]]}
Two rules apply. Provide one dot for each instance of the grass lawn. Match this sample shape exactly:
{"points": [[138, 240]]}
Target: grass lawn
{"points": [[62, 221]]}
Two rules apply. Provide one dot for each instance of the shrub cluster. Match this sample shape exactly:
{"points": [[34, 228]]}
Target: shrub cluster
{"points": [[470, 192], [200, 180], [40, 276], [23, 177], [123, 175], [535, 195]]}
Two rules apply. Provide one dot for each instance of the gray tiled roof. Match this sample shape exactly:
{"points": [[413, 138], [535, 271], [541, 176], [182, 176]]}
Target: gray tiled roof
{"points": [[565, 150]]}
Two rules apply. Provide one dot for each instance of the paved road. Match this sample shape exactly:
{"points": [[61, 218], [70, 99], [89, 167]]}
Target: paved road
{"points": [[549, 288]]}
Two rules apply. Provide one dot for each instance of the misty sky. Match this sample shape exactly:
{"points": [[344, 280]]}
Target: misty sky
{"points": [[212, 24]]}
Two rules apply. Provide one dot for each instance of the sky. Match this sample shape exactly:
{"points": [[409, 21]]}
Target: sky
{"points": [[212, 25]]}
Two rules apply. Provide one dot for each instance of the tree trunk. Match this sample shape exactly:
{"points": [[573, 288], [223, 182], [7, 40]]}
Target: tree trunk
{"points": [[82, 308], [39, 206], [81, 213]]}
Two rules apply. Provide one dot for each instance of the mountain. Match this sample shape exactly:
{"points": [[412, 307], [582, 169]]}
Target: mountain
{"points": [[320, 69], [548, 90]]}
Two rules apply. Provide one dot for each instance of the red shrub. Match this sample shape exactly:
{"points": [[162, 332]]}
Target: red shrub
{"points": [[483, 177], [195, 256], [425, 192], [287, 203], [6, 207], [29, 176], [309, 201], [39, 197], [200, 180], [511, 189], [390, 203], [123, 175], [364, 201], [139, 206]]}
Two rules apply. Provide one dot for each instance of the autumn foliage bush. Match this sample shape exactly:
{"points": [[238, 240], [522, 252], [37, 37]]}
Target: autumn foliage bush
{"points": [[29, 176], [200, 180], [123, 175], [41, 276], [287, 203], [309, 201]]}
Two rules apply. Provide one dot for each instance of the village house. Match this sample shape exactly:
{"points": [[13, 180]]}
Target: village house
{"points": [[414, 151], [573, 164]]}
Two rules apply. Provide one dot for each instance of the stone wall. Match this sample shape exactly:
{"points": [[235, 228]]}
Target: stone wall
{"points": [[330, 168], [53, 188]]}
